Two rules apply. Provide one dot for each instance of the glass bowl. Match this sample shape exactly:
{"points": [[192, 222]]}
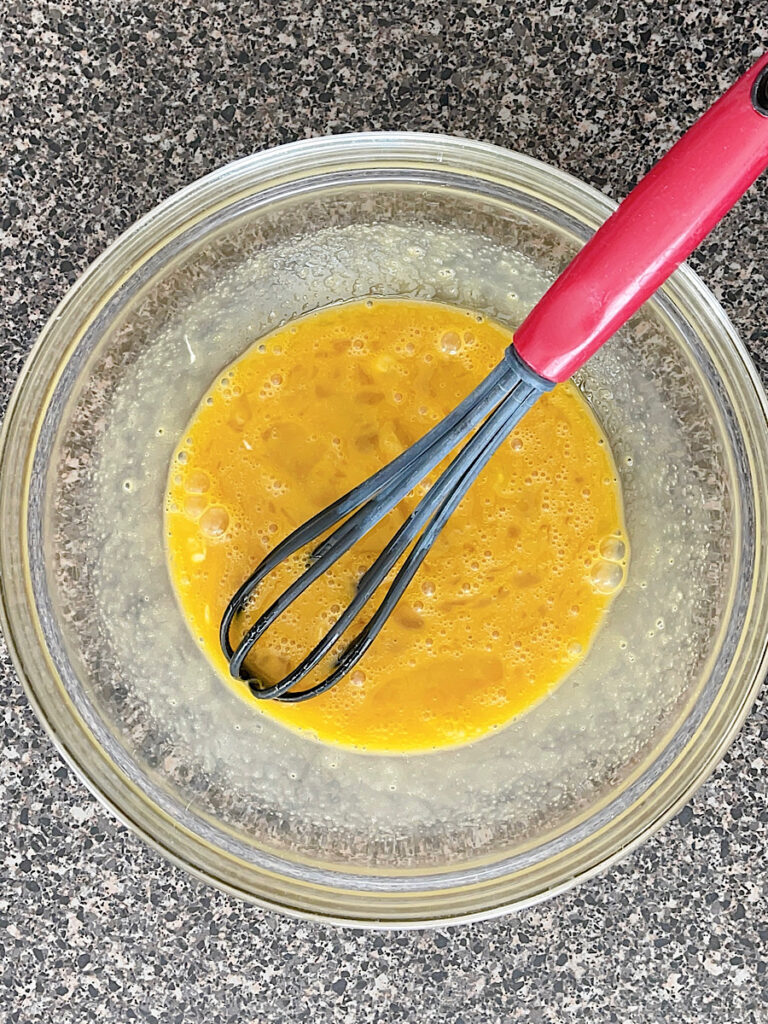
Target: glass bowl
{"points": [[227, 792]]}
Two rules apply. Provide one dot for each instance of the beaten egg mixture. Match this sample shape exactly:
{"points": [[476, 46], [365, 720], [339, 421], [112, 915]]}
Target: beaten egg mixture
{"points": [[514, 589]]}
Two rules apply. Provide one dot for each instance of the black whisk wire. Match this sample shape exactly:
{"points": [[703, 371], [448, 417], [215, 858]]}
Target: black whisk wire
{"points": [[491, 410]]}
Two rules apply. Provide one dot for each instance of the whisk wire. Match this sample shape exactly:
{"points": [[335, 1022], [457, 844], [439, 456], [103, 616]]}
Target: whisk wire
{"points": [[500, 400]]}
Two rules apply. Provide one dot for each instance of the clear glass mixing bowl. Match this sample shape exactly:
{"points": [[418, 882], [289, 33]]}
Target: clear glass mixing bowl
{"points": [[227, 792]]}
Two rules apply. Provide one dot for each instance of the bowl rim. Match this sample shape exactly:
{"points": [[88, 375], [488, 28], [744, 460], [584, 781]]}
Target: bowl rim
{"points": [[17, 444]]}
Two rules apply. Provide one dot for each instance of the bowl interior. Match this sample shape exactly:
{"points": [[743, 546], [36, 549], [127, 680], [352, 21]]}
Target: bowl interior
{"points": [[248, 796]]}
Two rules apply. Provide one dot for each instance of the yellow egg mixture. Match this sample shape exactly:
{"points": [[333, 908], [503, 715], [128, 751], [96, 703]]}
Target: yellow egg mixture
{"points": [[514, 589]]}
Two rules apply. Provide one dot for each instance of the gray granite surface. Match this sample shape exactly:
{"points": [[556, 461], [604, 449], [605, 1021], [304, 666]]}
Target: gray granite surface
{"points": [[105, 109]]}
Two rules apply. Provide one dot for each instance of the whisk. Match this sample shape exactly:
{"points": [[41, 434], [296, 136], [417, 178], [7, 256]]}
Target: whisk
{"points": [[656, 227]]}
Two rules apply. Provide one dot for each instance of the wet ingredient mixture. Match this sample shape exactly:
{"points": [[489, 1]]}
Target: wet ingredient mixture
{"points": [[511, 595]]}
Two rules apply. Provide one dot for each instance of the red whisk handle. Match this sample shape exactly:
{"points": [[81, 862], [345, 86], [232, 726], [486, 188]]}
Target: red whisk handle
{"points": [[657, 226]]}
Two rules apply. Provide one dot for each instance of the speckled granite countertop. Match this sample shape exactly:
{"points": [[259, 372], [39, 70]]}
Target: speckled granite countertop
{"points": [[107, 108]]}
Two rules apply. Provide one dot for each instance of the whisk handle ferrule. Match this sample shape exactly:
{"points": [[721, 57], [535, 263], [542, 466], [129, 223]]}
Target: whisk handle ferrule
{"points": [[654, 229]]}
